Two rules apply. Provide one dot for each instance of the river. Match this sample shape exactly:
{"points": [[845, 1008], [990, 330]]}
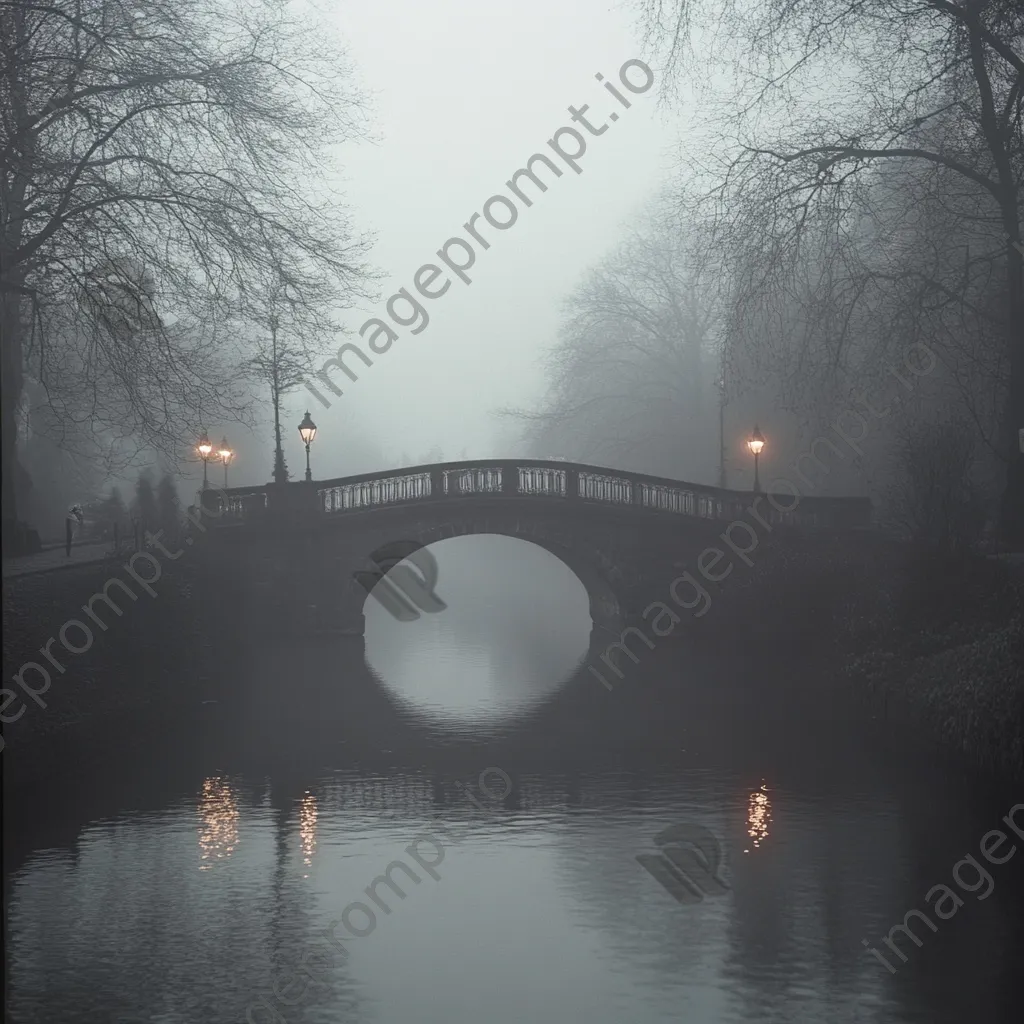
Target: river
{"points": [[194, 876]]}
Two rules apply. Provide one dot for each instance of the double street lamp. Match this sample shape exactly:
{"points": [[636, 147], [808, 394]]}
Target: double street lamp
{"points": [[755, 443], [307, 431], [205, 449]]}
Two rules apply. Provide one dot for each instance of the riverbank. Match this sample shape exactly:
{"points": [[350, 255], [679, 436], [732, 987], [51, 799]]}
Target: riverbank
{"points": [[928, 644], [152, 654]]}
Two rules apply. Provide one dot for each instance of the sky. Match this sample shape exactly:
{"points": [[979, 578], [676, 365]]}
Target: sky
{"points": [[462, 93]]}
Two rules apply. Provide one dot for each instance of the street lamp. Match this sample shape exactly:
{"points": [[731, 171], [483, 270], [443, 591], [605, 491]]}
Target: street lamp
{"points": [[755, 443], [204, 448], [307, 431], [226, 454], [721, 432]]}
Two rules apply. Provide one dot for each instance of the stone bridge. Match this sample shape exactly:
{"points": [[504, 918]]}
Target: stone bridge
{"points": [[296, 546]]}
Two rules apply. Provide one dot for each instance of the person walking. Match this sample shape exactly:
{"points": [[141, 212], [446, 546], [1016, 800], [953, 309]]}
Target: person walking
{"points": [[75, 513]]}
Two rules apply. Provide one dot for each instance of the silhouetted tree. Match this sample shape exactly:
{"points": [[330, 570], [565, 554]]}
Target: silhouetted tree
{"points": [[284, 360], [934, 91], [932, 498], [108, 513], [145, 507], [114, 508], [59, 478], [169, 506], [633, 371], [161, 165]]}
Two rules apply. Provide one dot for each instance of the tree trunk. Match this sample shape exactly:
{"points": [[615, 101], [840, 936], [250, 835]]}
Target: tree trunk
{"points": [[1011, 516], [1012, 511], [11, 387], [18, 155], [280, 468]]}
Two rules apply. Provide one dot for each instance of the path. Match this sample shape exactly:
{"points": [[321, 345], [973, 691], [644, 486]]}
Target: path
{"points": [[54, 558]]}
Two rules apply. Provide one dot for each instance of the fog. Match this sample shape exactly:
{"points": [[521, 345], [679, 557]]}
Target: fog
{"points": [[697, 269], [736, 289], [461, 95]]}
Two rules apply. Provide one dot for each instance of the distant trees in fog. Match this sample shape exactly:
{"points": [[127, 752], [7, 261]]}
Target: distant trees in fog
{"points": [[864, 180], [633, 374], [855, 191], [144, 507], [431, 458]]}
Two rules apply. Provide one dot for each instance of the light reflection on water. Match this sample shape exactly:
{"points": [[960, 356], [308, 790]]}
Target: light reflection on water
{"points": [[759, 816], [538, 913], [218, 812], [307, 828], [516, 627]]}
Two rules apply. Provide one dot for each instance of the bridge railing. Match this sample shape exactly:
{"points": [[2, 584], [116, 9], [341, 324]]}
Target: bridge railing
{"points": [[340, 496], [238, 502], [474, 480], [551, 481]]}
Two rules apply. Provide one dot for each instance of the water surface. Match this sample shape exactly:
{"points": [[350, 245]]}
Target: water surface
{"points": [[201, 870]]}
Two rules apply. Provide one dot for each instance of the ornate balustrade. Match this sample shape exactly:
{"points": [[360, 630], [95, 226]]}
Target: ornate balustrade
{"points": [[540, 480], [341, 495]]}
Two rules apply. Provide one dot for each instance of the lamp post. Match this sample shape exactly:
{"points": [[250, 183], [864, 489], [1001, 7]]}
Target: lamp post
{"points": [[307, 431], [721, 433], [204, 448], [226, 454], [755, 443]]}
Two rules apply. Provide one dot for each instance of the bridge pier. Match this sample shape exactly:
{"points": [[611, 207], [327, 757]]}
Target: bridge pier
{"points": [[332, 603], [288, 583]]}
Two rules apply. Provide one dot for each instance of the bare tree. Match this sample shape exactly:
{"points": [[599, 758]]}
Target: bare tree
{"points": [[170, 507], [145, 508], [834, 91], [932, 497], [110, 377], [162, 163], [298, 327], [59, 477], [633, 373]]}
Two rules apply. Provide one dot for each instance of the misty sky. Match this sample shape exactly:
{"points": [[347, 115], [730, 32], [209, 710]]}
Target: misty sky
{"points": [[462, 94]]}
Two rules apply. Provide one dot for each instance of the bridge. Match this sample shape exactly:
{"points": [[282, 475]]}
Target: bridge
{"points": [[624, 535]]}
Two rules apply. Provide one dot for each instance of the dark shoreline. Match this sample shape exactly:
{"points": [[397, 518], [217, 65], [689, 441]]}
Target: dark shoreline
{"points": [[154, 651], [928, 646]]}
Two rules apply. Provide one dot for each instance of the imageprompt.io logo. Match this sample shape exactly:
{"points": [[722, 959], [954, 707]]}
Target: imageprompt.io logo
{"points": [[688, 864], [403, 592]]}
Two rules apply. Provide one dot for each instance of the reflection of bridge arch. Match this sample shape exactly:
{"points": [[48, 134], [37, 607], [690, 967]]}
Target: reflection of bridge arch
{"points": [[303, 541]]}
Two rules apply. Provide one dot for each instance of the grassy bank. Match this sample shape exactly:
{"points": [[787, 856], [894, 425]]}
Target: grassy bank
{"points": [[927, 642]]}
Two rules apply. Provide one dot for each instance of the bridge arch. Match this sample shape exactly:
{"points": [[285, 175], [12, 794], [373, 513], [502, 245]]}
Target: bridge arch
{"points": [[600, 577]]}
